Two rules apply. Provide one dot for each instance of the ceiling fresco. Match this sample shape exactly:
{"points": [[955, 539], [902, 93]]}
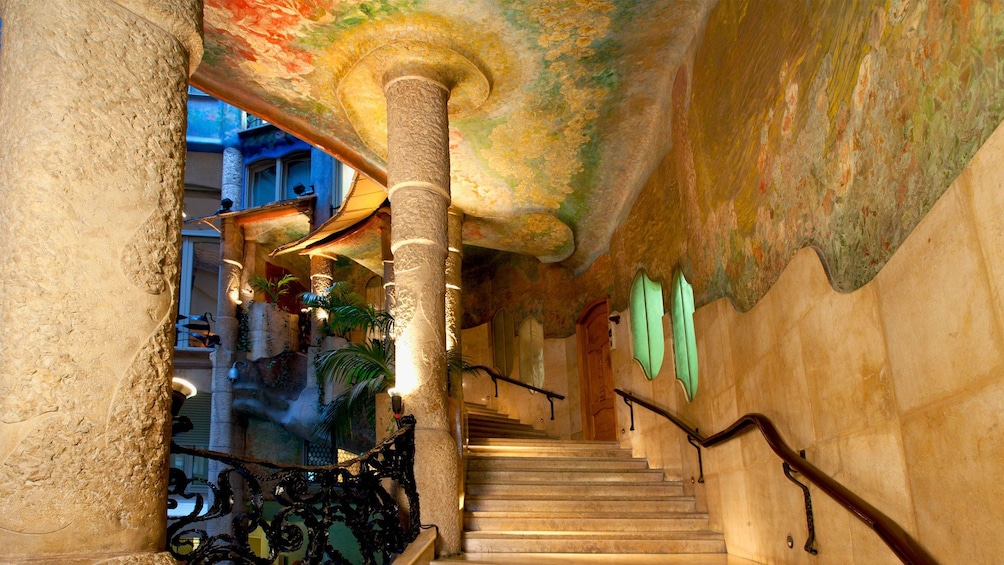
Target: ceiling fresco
{"points": [[573, 117]]}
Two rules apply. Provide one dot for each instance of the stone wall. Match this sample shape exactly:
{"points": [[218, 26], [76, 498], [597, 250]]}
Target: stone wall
{"points": [[895, 390]]}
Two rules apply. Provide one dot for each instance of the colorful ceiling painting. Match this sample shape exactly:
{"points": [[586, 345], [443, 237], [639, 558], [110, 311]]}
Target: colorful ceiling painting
{"points": [[547, 152], [830, 124], [605, 136]]}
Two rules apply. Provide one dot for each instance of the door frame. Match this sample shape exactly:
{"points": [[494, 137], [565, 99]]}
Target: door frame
{"points": [[588, 432]]}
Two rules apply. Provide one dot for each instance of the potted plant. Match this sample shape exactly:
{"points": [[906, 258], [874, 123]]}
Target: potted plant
{"points": [[272, 329]]}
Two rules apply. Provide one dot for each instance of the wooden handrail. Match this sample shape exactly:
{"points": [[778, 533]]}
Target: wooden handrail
{"points": [[496, 377], [898, 540]]}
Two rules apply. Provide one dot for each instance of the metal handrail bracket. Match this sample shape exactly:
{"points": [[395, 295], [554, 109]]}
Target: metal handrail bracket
{"points": [[894, 536]]}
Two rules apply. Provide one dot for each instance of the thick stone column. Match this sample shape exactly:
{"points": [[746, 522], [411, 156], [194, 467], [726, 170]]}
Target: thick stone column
{"points": [[321, 279], [418, 180], [388, 259], [454, 294], [224, 429], [233, 175], [92, 145]]}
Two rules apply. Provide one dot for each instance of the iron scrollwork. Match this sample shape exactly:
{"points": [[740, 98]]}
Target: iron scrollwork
{"points": [[311, 499]]}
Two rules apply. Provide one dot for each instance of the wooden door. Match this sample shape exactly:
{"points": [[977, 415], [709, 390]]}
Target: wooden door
{"points": [[599, 418]]}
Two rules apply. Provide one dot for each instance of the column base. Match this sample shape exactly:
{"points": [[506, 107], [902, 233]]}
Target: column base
{"points": [[436, 474], [146, 558]]}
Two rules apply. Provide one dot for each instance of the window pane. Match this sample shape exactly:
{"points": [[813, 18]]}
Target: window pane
{"points": [[646, 324], [297, 174], [684, 340], [263, 185]]}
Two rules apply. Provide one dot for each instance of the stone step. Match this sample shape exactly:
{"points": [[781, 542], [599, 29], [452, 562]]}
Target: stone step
{"points": [[593, 522], [575, 503], [568, 476], [488, 463], [594, 559], [501, 426], [502, 447], [584, 490], [593, 542]]}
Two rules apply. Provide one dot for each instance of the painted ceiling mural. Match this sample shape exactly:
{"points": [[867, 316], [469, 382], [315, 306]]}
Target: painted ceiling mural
{"points": [[546, 166], [717, 136], [840, 137]]}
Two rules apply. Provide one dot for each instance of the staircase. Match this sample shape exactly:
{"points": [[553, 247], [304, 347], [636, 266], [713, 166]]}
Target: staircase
{"points": [[483, 422], [533, 499]]}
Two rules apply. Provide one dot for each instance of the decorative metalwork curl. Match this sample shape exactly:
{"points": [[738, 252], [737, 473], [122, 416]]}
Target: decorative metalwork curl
{"points": [[358, 494]]}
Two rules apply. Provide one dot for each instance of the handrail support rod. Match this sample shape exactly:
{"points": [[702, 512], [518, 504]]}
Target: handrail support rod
{"points": [[809, 520], [631, 406], [700, 460]]}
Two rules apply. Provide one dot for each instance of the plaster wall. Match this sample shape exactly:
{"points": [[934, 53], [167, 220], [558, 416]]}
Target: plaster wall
{"points": [[895, 389], [519, 403]]}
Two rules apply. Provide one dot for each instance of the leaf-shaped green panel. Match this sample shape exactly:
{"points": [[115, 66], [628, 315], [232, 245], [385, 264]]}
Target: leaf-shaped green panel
{"points": [[646, 324], [684, 340]]}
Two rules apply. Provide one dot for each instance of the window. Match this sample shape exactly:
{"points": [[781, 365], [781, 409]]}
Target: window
{"points": [[646, 324], [684, 340], [375, 293], [200, 275], [251, 121], [531, 352], [271, 180]]}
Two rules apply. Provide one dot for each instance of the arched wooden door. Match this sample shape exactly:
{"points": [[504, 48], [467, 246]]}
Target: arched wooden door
{"points": [[599, 418]]}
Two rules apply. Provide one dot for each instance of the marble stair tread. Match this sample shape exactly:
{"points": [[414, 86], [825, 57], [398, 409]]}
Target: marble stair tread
{"points": [[575, 503], [490, 463], [566, 475], [594, 542], [594, 559], [594, 522], [627, 489]]}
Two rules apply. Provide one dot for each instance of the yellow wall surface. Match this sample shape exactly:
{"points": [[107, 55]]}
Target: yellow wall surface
{"points": [[896, 390]]}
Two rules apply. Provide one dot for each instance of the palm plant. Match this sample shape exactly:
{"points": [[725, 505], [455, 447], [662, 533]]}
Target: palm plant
{"points": [[365, 369], [273, 288]]}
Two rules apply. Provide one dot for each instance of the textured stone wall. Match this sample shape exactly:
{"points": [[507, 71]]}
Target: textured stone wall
{"points": [[92, 121]]}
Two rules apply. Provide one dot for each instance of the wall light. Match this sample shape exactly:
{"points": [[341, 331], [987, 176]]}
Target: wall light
{"points": [[233, 374], [396, 403]]}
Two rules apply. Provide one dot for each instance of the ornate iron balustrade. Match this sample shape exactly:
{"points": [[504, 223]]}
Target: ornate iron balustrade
{"points": [[311, 498]]}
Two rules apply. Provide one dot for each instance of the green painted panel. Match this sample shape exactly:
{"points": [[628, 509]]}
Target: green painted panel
{"points": [[646, 324], [684, 340]]}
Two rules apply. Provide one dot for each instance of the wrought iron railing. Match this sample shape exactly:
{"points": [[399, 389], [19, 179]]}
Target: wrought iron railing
{"points": [[358, 494], [898, 540], [496, 377]]}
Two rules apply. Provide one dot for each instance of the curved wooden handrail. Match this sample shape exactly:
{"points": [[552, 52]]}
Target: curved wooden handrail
{"points": [[496, 377], [494, 374], [898, 540]]}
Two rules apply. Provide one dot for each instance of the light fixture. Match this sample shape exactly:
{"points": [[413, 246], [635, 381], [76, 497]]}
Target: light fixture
{"points": [[180, 391], [396, 403], [233, 374]]}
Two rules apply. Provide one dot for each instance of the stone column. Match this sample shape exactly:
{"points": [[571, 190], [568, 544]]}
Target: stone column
{"points": [[92, 145], [321, 279], [388, 259], [454, 295], [418, 180], [233, 174], [224, 429]]}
